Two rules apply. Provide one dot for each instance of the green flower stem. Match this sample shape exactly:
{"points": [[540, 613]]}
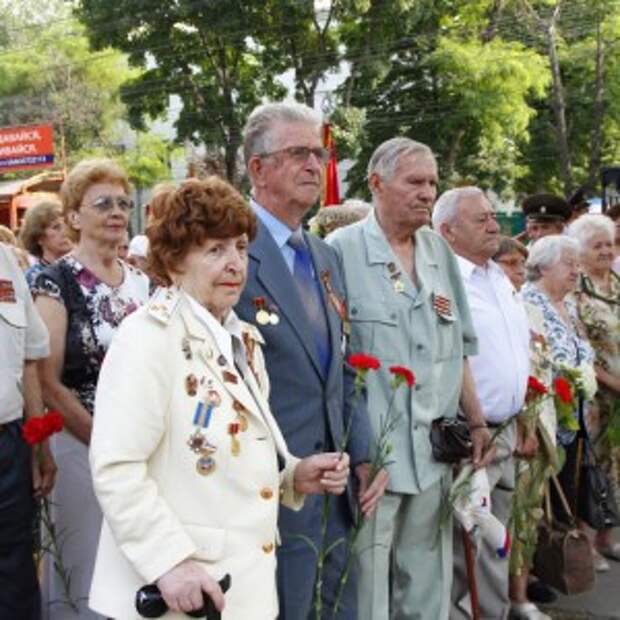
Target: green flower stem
{"points": [[324, 550], [320, 561], [379, 462], [53, 546], [360, 381]]}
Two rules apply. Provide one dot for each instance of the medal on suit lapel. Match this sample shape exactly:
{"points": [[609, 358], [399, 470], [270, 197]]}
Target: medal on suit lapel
{"points": [[185, 347], [191, 385], [229, 377], [336, 302], [233, 431], [241, 411], [198, 442], [274, 318], [262, 316], [205, 465], [443, 307], [395, 277]]}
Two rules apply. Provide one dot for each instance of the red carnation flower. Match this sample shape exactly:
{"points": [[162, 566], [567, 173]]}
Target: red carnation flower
{"points": [[534, 385], [403, 373], [363, 361], [33, 431], [52, 422], [36, 430], [563, 390]]}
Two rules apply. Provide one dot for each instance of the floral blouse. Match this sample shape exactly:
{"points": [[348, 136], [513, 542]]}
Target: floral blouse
{"points": [[600, 313], [541, 367], [94, 311], [566, 344], [34, 270]]}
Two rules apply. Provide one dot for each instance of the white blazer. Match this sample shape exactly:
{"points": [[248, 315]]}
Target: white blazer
{"points": [[158, 508]]}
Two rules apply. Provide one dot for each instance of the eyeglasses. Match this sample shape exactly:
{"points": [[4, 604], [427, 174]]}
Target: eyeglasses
{"points": [[511, 262], [300, 154], [106, 203]]}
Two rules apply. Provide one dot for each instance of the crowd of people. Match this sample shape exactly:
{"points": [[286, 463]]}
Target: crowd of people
{"points": [[202, 373]]}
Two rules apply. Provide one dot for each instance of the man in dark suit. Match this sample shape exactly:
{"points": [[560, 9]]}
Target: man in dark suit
{"points": [[295, 296]]}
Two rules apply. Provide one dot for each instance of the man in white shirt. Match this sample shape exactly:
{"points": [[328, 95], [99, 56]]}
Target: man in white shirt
{"points": [[23, 479], [466, 219]]}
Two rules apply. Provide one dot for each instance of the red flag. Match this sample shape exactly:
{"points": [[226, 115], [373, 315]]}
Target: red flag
{"points": [[331, 193]]}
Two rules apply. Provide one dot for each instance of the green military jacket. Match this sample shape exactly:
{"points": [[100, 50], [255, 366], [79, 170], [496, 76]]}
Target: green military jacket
{"points": [[427, 329]]}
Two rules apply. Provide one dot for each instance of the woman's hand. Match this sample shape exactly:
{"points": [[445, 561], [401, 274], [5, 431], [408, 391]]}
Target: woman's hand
{"points": [[182, 587], [322, 473]]}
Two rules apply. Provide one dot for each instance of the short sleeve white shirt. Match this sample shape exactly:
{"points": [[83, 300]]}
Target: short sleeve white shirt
{"points": [[501, 368], [23, 335]]}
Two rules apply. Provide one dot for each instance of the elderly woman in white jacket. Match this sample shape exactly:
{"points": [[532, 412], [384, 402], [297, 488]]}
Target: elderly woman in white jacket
{"points": [[188, 462]]}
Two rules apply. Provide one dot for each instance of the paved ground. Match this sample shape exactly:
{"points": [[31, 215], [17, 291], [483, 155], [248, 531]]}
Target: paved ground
{"points": [[602, 603]]}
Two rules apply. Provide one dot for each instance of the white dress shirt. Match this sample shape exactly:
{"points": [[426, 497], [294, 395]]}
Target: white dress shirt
{"points": [[501, 368]]}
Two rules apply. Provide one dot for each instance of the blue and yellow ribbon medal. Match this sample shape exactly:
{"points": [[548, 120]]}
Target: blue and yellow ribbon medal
{"points": [[198, 442]]}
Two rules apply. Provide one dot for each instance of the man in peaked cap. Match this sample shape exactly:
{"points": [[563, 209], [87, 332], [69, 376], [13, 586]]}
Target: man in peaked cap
{"points": [[579, 204], [545, 214]]}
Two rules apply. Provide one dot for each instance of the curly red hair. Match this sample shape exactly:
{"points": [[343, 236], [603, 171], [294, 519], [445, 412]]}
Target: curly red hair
{"points": [[186, 217]]}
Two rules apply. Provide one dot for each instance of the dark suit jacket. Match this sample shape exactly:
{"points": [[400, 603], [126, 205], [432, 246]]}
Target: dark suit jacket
{"points": [[312, 410]]}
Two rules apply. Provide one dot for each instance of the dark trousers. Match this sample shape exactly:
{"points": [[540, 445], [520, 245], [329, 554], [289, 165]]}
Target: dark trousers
{"points": [[567, 478], [297, 561], [19, 587]]}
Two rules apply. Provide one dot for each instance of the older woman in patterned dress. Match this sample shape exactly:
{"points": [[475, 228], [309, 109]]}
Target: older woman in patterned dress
{"points": [[82, 298], [552, 274], [598, 304]]}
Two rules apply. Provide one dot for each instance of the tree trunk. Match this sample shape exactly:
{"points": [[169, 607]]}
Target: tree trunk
{"points": [[495, 16], [230, 157], [598, 111], [453, 154], [559, 110]]}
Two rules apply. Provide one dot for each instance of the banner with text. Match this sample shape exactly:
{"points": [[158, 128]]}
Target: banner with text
{"points": [[26, 148]]}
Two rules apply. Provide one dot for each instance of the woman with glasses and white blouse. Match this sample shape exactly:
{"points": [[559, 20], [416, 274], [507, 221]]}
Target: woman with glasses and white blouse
{"points": [[83, 298]]}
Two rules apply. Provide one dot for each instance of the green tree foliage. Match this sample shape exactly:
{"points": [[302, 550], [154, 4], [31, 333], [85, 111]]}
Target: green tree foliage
{"points": [[148, 161], [587, 39], [301, 37], [446, 83], [49, 74], [201, 51]]}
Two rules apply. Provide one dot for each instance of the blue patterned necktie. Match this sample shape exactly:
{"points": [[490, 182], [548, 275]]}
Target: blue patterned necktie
{"points": [[309, 292]]}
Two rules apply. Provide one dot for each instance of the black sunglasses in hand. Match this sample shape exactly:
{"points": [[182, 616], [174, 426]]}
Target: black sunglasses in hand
{"points": [[150, 603]]}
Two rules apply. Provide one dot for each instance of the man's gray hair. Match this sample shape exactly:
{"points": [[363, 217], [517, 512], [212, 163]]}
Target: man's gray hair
{"points": [[584, 228], [546, 252], [446, 207], [385, 158], [260, 123]]}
